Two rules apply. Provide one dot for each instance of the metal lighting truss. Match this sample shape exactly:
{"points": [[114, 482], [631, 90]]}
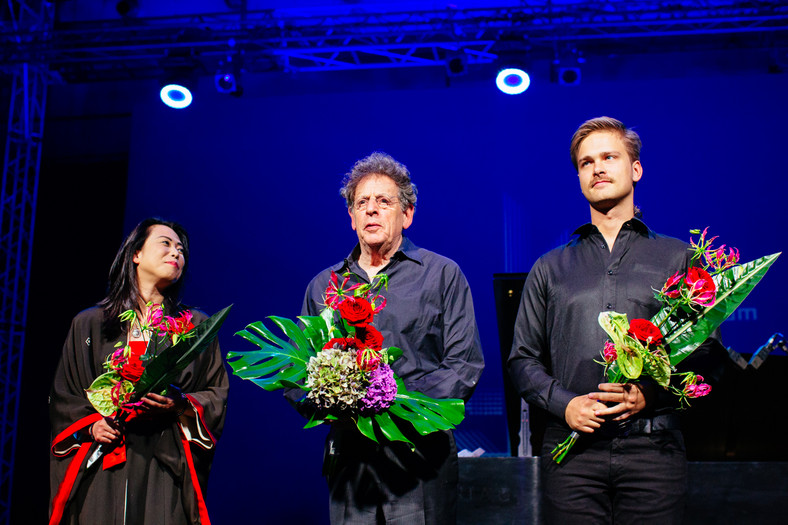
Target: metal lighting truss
{"points": [[356, 37], [18, 204]]}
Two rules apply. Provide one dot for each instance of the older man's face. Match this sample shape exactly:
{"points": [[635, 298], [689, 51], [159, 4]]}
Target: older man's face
{"points": [[379, 228]]}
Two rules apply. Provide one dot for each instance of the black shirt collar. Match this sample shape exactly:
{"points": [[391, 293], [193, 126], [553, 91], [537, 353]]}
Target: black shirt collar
{"points": [[407, 250], [634, 224]]}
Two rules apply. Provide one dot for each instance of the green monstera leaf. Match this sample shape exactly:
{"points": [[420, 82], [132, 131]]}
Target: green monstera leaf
{"points": [[733, 286], [100, 392], [279, 363], [425, 414]]}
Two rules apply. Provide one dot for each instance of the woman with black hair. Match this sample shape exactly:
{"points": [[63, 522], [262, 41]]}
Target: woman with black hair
{"points": [[155, 466]]}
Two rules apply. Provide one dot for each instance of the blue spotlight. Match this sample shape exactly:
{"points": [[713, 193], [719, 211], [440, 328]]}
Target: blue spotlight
{"points": [[176, 96], [512, 81]]}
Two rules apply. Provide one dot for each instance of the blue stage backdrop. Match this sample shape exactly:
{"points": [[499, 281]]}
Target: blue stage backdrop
{"points": [[255, 180]]}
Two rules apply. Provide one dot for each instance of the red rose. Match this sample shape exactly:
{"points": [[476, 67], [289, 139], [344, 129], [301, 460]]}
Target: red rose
{"points": [[369, 337], [340, 342], [645, 331], [356, 311], [133, 368]]}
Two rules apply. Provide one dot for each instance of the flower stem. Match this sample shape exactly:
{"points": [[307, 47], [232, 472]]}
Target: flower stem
{"points": [[672, 309], [560, 450]]}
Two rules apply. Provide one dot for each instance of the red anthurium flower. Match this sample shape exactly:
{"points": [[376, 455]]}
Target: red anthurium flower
{"points": [[356, 311], [645, 331]]}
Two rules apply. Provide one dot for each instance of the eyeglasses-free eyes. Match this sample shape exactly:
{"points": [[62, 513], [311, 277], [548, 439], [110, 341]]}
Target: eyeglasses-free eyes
{"points": [[383, 202]]}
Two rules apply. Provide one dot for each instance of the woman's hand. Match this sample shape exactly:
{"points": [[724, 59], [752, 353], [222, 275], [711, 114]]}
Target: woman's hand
{"points": [[105, 431], [153, 404]]}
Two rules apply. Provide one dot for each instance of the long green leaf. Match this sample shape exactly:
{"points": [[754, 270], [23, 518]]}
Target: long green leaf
{"points": [[278, 363], [165, 367], [733, 286]]}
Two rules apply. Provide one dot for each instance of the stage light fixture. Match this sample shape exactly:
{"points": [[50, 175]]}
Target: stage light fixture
{"points": [[512, 80], [127, 8], [176, 95], [225, 82], [564, 74], [569, 76], [228, 77], [456, 63]]}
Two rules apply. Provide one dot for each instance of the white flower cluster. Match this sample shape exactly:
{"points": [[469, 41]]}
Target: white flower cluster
{"points": [[334, 379]]}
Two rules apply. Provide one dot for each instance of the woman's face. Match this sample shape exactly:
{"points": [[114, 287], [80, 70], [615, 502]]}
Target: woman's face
{"points": [[160, 262]]}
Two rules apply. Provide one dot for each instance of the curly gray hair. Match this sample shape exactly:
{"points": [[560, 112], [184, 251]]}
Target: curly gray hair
{"points": [[379, 163]]}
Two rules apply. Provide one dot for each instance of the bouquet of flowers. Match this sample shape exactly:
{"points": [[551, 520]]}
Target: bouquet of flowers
{"points": [[131, 373], [339, 361], [695, 303]]}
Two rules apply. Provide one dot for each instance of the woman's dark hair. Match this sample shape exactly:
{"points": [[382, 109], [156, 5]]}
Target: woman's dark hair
{"points": [[123, 291]]}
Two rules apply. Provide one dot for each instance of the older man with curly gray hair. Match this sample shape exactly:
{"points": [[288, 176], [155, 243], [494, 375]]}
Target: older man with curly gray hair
{"points": [[429, 315]]}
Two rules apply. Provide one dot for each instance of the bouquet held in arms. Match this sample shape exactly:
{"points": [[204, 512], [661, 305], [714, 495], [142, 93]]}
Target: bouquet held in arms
{"points": [[339, 361], [134, 371], [694, 304]]}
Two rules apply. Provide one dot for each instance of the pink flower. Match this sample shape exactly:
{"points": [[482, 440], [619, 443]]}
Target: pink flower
{"points": [[703, 244], [177, 327], [609, 352], [719, 260], [381, 303], [671, 288], [367, 359], [700, 390], [702, 291], [694, 387], [155, 316], [335, 292]]}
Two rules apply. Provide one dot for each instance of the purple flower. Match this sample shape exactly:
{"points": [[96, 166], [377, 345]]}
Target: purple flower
{"points": [[381, 390]]}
